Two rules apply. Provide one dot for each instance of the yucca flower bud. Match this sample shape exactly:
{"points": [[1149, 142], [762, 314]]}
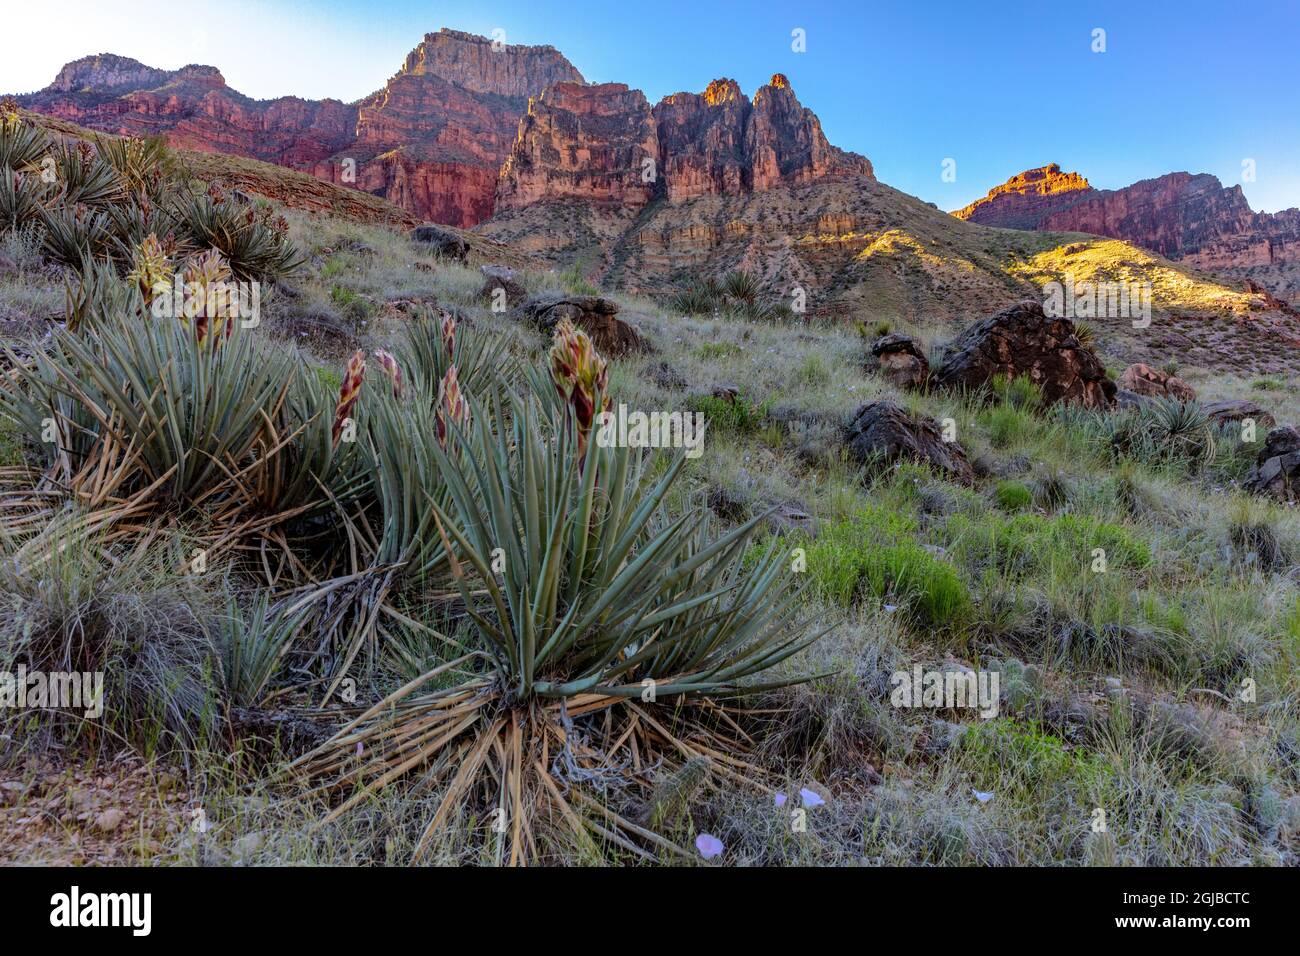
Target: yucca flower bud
{"points": [[349, 392], [392, 370], [449, 334], [580, 376], [451, 405], [150, 268], [216, 193], [205, 277]]}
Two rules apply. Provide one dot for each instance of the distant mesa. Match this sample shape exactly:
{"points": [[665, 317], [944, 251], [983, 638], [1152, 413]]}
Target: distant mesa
{"points": [[1187, 217]]}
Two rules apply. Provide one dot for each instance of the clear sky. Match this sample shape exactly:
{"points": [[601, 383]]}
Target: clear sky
{"points": [[995, 86]]}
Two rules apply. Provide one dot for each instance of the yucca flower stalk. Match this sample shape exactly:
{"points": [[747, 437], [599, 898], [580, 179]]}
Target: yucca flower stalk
{"points": [[580, 376], [349, 392], [150, 268], [205, 277], [448, 327], [451, 405], [394, 372], [432, 342]]}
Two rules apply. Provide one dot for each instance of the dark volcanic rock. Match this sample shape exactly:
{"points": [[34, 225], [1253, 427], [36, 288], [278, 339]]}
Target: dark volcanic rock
{"points": [[1235, 411], [884, 433], [1277, 469], [1023, 340], [900, 360], [512, 291], [446, 243], [596, 316]]}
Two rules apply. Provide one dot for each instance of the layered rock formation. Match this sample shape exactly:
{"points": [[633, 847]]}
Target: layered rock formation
{"points": [[432, 140], [195, 109], [469, 127], [1024, 200], [590, 143], [1186, 217], [719, 143]]}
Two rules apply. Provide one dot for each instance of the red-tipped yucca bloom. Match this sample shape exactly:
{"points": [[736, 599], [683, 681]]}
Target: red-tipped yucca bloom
{"points": [[451, 405], [580, 376], [349, 392], [392, 370], [449, 334]]}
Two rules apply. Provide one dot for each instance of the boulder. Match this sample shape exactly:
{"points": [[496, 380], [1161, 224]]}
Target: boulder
{"points": [[1126, 399], [884, 433], [444, 242], [1231, 412], [727, 393], [596, 316], [1277, 469], [1142, 379], [512, 292], [1023, 340], [900, 360]]}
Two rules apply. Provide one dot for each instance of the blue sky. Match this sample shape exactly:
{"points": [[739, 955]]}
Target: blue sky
{"points": [[997, 87]]}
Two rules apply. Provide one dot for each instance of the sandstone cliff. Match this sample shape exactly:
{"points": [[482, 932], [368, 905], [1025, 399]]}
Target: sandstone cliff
{"points": [[433, 139], [1191, 218]]}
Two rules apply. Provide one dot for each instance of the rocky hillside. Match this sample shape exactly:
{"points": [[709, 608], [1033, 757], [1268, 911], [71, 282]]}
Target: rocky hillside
{"points": [[1190, 218]]}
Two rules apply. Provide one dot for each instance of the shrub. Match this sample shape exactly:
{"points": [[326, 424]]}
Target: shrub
{"points": [[729, 415], [1012, 496], [738, 294]]}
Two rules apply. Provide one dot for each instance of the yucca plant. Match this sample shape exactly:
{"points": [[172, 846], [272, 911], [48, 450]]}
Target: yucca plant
{"points": [[95, 294], [399, 458], [144, 167], [433, 341], [22, 144], [143, 405], [21, 195], [83, 178], [312, 471], [255, 243], [741, 287], [254, 640], [587, 598], [1179, 431], [73, 234], [699, 298]]}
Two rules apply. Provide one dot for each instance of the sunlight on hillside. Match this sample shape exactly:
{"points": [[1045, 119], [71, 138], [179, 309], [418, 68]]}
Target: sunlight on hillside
{"points": [[1110, 260]]}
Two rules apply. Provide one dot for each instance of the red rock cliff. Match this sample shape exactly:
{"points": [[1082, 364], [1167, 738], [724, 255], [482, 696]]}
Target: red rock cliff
{"points": [[595, 143]]}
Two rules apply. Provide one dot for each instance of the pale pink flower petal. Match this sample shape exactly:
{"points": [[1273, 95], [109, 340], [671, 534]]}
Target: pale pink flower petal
{"points": [[811, 799], [708, 845]]}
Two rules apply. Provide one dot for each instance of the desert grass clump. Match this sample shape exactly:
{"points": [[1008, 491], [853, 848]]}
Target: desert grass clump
{"points": [[734, 415], [76, 606], [1012, 496], [874, 556]]}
